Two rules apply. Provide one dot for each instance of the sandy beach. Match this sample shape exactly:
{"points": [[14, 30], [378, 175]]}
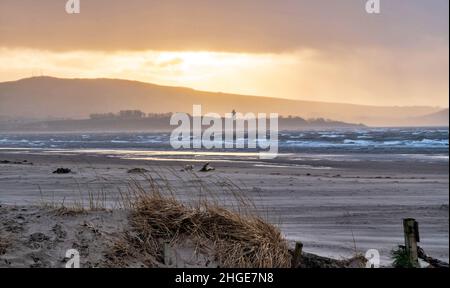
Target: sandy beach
{"points": [[334, 204]]}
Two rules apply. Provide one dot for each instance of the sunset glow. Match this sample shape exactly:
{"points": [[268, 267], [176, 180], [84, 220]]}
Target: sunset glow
{"points": [[332, 51], [294, 75], [203, 70]]}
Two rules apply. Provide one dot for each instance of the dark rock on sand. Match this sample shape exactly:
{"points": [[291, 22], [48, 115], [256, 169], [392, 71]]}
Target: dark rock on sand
{"points": [[62, 171], [137, 171], [207, 168]]}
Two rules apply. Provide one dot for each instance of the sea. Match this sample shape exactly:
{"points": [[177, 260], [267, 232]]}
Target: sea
{"points": [[427, 141]]}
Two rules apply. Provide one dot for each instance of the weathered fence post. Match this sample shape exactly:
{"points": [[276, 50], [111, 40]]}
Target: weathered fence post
{"points": [[297, 254], [411, 230]]}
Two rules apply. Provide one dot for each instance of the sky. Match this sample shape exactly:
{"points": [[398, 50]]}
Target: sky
{"points": [[321, 50]]}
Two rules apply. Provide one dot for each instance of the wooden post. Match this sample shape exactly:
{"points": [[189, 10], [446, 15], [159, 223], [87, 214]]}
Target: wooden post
{"points": [[411, 230], [297, 254]]}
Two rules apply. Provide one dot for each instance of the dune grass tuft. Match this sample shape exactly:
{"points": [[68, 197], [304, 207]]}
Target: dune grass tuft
{"points": [[238, 239], [401, 258]]}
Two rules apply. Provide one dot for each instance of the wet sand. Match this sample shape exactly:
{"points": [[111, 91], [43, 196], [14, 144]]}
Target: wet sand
{"points": [[334, 204]]}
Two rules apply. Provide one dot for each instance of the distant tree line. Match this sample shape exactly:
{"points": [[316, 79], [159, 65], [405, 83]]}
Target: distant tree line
{"points": [[129, 114]]}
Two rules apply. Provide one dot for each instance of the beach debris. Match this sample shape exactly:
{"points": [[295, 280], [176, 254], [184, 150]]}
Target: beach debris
{"points": [[301, 259], [138, 171], [62, 171], [207, 168], [434, 263], [308, 260]]}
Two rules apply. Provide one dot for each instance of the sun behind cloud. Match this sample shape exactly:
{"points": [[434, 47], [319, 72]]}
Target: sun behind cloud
{"points": [[368, 76]]}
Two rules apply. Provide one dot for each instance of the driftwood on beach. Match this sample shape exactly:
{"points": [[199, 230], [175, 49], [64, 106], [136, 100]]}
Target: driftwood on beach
{"points": [[436, 263]]}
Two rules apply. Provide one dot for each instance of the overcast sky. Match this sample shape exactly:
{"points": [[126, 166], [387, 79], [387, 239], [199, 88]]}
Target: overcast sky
{"points": [[328, 50]]}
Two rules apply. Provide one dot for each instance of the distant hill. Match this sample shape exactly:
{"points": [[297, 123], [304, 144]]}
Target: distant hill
{"points": [[46, 97], [434, 119]]}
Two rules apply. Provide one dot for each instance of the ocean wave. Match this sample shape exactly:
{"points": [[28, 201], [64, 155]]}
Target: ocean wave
{"points": [[384, 139]]}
